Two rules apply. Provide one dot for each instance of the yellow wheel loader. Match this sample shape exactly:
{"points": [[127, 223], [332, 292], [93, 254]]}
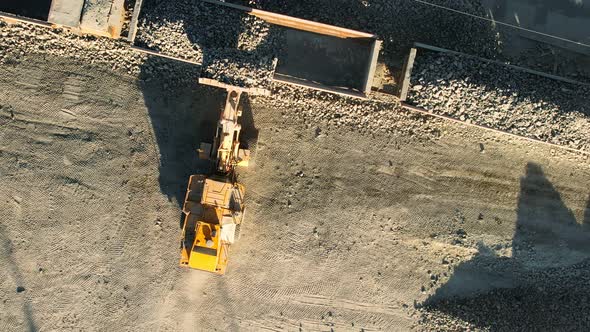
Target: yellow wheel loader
{"points": [[214, 205]]}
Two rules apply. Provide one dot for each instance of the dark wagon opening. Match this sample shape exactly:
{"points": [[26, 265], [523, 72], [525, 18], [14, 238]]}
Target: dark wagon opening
{"points": [[37, 9]]}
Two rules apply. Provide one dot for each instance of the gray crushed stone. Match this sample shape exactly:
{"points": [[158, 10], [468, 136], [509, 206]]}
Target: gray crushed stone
{"points": [[215, 36], [19, 41], [257, 35], [238, 68], [162, 23], [501, 97], [186, 28]]}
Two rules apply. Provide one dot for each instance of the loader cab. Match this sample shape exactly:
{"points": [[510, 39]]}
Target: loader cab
{"points": [[209, 252], [213, 208], [206, 240]]}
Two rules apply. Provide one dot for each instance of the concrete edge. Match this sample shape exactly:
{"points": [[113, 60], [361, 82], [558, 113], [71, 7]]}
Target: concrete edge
{"points": [[374, 55], [316, 86], [407, 73], [134, 21]]}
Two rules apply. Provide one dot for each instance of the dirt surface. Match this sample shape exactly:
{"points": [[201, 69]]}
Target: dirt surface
{"points": [[346, 229], [188, 28]]}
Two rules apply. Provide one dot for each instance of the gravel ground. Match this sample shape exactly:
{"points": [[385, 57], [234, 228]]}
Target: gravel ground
{"points": [[501, 97], [234, 47], [399, 23], [21, 40], [366, 117], [546, 301], [184, 28]]}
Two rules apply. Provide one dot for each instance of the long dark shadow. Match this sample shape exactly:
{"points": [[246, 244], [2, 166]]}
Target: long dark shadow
{"points": [[181, 113], [543, 220], [14, 273], [586, 220]]}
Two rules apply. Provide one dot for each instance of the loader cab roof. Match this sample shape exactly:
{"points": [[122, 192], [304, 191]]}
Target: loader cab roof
{"points": [[223, 194]]}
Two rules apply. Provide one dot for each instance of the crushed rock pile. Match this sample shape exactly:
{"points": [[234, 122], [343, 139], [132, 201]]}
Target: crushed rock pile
{"points": [[501, 97], [19, 40], [238, 68]]}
